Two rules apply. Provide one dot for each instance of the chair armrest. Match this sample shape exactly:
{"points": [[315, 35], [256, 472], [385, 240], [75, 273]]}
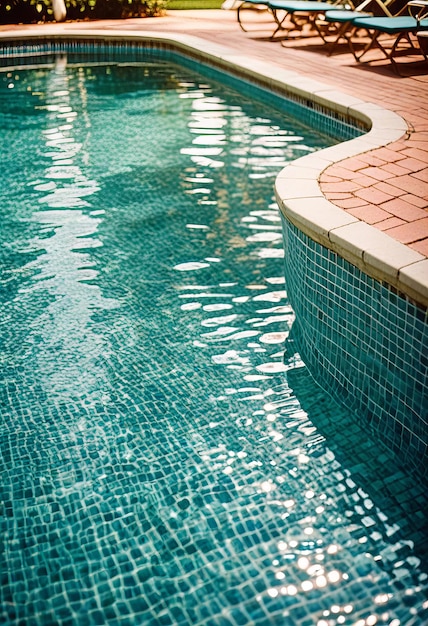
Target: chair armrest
{"points": [[418, 9]]}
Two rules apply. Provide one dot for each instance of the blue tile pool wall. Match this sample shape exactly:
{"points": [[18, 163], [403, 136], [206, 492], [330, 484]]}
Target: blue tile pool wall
{"points": [[364, 343]]}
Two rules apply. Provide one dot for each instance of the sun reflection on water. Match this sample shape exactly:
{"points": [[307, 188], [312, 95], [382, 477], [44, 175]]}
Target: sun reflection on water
{"points": [[188, 464], [64, 267]]}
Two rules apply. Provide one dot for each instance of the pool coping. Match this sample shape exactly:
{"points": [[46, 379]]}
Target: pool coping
{"points": [[297, 188]]}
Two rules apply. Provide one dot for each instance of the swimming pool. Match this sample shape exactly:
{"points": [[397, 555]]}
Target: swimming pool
{"points": [[161, 464]]}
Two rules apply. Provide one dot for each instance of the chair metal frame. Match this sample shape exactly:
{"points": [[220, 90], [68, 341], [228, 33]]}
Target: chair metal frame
{"points": [[341, 25], [400, 28], [251, 5], [300, 14], [288, 15]]}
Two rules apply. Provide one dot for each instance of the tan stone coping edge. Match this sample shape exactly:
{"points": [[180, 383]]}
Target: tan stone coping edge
{"points": [[297, 189]]}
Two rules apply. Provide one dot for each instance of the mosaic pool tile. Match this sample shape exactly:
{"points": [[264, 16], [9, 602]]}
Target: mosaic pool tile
{"points": [[364, 342], [160, 464]]}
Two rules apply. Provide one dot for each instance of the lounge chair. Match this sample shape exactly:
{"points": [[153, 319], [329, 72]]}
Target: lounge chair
{"points": [[296, 15], [340, 23], [398, 29], [289, 15]]}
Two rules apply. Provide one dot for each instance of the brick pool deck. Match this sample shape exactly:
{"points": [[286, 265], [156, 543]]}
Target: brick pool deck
{"points": [[384, 187]]}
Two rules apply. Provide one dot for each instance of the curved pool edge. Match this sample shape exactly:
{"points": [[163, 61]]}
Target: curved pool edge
{"points": [[378, 255], [359, 296], [297, 189]]}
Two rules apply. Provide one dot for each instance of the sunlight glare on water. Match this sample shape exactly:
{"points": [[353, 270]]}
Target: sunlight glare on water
{"points": [[162, 463]]}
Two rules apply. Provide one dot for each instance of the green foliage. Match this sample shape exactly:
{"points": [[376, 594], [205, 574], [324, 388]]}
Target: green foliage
{"points": [[138, 8], [194, 4], [30, 11]]}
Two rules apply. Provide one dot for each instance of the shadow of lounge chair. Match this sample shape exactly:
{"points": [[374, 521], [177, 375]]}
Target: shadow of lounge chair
{"points": [[422, 37]]}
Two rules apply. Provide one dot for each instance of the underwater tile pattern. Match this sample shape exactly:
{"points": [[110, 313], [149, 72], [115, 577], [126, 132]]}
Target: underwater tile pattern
{"points": [[160, 464], [335, 125], [364, 342]]}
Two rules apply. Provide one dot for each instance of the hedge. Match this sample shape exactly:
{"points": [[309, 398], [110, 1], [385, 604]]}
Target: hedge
{"points": [[33, 11]]}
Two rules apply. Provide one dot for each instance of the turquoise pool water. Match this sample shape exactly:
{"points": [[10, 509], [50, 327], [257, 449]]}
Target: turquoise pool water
{"points": [[160, 463]]}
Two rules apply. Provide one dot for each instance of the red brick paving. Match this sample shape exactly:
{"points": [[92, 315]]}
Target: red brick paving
{"points": [[410, 232]]}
